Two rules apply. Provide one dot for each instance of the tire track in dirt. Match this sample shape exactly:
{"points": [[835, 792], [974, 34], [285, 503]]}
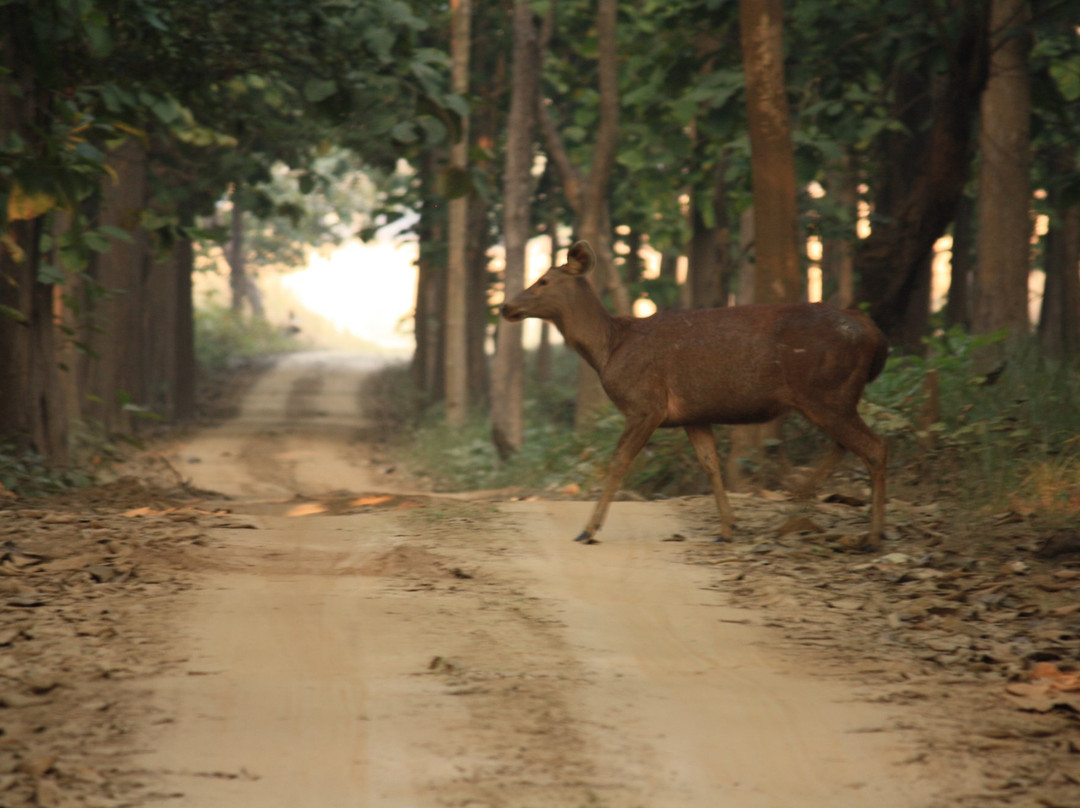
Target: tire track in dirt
{"points": [[433, 652]]}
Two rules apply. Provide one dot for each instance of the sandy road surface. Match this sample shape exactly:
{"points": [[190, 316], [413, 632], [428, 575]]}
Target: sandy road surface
{"points": [[400, 650]]}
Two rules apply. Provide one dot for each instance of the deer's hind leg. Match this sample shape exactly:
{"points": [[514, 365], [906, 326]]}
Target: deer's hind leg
{"points": [[852, 433], [703, 440]]}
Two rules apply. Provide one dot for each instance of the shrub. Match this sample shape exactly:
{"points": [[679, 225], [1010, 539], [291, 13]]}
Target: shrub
{"points": [[224, 340]]}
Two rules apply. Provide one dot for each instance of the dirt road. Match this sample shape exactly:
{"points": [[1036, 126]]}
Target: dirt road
{"points": [[366, 645]]}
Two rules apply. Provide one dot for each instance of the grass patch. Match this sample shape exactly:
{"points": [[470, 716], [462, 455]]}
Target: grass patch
{"points": [[225, 340]]}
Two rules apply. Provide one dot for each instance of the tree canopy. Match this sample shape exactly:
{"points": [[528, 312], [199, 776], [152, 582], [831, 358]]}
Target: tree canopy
{"points": [[123, 124]]}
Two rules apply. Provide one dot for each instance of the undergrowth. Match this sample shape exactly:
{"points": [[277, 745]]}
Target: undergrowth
{"points": [[1009, 438], [224, 339]]}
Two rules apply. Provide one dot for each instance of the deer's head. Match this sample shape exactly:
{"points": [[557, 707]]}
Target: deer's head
{"points": [[554, 292]]}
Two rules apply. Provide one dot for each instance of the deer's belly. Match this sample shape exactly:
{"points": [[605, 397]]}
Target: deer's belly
{"points": [[687, 412]]}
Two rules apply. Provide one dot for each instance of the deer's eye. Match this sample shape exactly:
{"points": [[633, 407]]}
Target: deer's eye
{"points": [[542, 282]]}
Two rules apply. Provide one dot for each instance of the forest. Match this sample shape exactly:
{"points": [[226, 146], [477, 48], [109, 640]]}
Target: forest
{"points": [[719, 137]]}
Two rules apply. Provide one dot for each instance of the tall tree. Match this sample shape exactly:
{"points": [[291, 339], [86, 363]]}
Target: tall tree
{"points": [[1059, 318], [507, 391], [588, 194], [1004, 226], [456, 271], [922, 169], [777, 275]]}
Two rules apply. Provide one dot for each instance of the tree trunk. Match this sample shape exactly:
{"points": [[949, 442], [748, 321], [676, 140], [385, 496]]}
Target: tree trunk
{"points": [[543, 351], [778, 277], [929, 177], [183, 260], [838, 251], [1059, 321], [429, 358], [111, 372], [588, 197], [958, 307], [1001, 288], [234, 255], [33, 411], [703, 271], [478, 377], [507, 389], [457, 403]]}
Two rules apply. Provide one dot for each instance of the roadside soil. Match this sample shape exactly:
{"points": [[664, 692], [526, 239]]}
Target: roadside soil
{"points": [[267, 611]]}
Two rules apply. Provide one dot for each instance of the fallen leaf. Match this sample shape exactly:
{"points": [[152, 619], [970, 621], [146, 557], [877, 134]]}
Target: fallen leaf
{"points": [[1040, 697], [1048, 672], [847, 604], [775, 496], [841, 499], [48, 794], [306, 509], [371, 500], [798, 524], [37, 766]]}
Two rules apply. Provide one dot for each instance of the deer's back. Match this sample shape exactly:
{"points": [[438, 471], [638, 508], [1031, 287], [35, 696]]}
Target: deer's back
{"points": [[742, 364]]}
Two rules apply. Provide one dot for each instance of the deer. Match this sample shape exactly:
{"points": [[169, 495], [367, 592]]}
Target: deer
{"points": [[694, 368]]}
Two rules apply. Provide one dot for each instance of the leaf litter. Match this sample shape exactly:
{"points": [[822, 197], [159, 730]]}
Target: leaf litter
{"points": [[974, 618], [85, 582]]}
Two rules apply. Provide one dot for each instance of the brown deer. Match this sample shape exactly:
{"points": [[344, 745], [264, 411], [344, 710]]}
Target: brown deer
{"points": [[737, 365]]}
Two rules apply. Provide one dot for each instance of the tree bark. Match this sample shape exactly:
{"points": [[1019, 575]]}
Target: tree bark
{"points": [[1003, 246], [429, 359], [929, 177], [778, 277], [1059, 321], [838, 251], [457, 403], [958, 307], [508, 378], [33, 412], [589, 196], [110, 371]]}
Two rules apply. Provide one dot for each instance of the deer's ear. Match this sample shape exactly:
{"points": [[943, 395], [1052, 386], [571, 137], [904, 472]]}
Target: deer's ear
{"points": [[580, 258]]}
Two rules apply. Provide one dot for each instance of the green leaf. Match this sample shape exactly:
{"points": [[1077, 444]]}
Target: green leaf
{"points": [[455, 182], [51, 274], [12, 314], [404, 132], [118, 233], [435, 131], [316, 90], [96, 241], [167, 109], [1066, 75]]}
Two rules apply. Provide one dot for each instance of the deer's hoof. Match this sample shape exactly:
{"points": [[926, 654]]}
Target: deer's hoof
{"points": [[586, 538]]}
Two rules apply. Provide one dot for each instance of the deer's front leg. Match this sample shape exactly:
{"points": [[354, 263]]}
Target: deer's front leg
{"points": [[635, 435]]}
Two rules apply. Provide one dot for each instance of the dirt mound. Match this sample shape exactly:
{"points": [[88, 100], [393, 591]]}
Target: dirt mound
{"points": [[411, 561]]}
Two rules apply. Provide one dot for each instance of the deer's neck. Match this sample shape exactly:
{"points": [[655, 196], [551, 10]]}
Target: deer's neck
{"points": [[588, 329]]}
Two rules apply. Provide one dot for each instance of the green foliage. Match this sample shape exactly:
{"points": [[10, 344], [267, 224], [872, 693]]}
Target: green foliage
{"points": [[224, 340], [27, 473], [990, 430]]}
